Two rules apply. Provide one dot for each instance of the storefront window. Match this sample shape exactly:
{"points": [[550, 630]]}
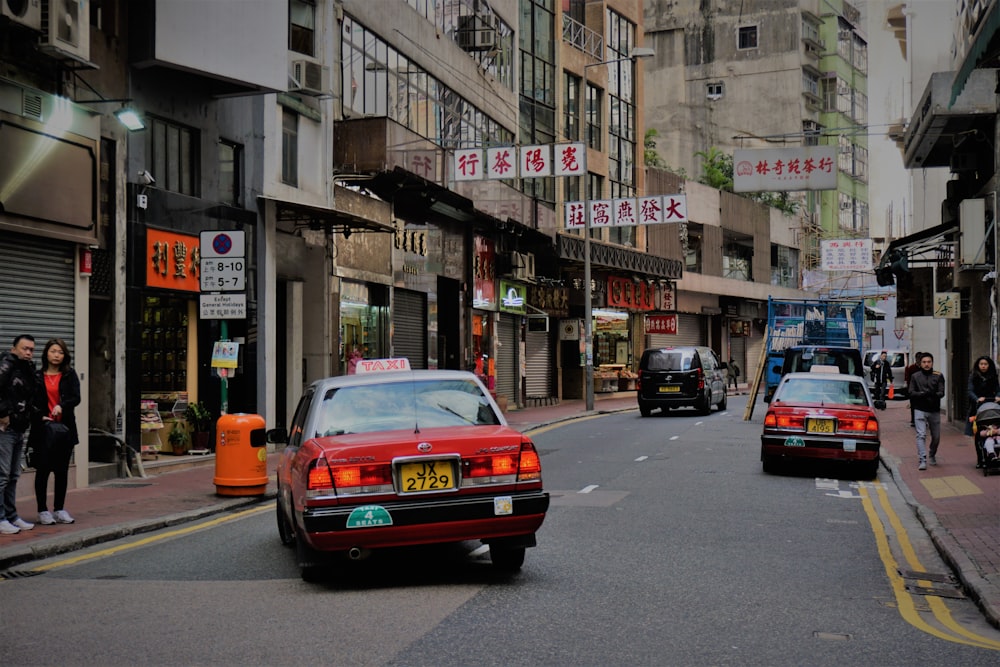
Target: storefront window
{"points": [[362, 323], [164, 357], [483, 363], [611, 337]]}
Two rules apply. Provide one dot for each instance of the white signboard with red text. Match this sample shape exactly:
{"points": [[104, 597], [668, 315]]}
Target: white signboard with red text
{"points": [[627, 212], [785, 169], [476, 164], [846, 254]]}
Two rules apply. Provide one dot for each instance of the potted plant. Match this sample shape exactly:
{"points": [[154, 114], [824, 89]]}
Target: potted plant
{"points": [[200, 418], [179, 439]]}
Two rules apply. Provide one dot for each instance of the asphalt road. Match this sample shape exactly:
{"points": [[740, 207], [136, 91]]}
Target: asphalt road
{"points": [[665, 544]]}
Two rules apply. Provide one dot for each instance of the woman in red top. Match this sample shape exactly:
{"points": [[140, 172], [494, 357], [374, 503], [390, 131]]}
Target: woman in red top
{"points": [[62, 395]]}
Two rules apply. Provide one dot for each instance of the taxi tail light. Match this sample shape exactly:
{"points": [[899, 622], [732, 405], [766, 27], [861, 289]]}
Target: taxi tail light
{"points": [[361, 479], [866, 425], [503, 468], [776, 420], [319, 475]]}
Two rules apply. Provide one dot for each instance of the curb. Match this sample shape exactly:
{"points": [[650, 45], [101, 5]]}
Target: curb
{"points": [[947, 547], [54, 546]]}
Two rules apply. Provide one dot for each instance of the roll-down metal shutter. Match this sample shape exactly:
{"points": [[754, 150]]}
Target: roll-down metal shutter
{"points": [[409, 326], [507, 357], [690, 331], [538, 366], [37, 290], [738, 352]]}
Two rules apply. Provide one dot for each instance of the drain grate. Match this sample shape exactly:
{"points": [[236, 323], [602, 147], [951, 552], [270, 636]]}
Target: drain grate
{"points": [[20, 574], [939, 591], [928, 576]]}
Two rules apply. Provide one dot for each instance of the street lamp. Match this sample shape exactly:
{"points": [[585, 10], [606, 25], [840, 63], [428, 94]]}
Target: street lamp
{"points": [[588, 312]]}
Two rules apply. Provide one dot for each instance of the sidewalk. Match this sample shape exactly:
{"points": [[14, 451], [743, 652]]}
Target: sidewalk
{"points": [[958, 506]]}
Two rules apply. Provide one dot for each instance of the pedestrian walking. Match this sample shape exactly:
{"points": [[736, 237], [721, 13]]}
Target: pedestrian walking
{"points": [[908, 372], [881, 375], [926, 389], [54, 433], [734, 375], [984, 385], [18, 387]]}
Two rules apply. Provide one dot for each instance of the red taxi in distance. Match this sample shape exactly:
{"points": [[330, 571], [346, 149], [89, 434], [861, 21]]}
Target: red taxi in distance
{"points": [[394, 457], [823, 416]]}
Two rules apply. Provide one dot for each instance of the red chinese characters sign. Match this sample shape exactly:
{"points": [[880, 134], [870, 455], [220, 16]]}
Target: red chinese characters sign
{"points": [[173, 261], [626, 293], [785, 169], [484, 275], [661, 324]]}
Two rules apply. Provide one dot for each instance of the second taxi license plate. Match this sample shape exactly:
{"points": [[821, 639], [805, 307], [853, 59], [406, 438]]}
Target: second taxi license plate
{"points": [[819, 425], [669, 389], [426, 476]]}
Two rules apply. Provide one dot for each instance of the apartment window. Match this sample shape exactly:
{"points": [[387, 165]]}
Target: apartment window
{"points": [[784, 266], [859, 107], [746, 37], [593, 117], [714, 90], [289, 147], [692, 236], [571, 106], [737, 259], [811, 131], [174, 152], [302, 26], [230, 173]]}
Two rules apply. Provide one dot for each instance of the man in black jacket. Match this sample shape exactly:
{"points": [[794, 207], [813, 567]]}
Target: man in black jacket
{"points": [[881, 375], [926, 390], [18, 387]]}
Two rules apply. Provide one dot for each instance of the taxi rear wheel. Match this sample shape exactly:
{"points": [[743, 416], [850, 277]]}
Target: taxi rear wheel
{"points": [[285, 531], [311, 562], [506, 559]]}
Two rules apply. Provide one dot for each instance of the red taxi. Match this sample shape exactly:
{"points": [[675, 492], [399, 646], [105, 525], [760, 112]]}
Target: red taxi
{"points": [[824, 416], [395, 457]]}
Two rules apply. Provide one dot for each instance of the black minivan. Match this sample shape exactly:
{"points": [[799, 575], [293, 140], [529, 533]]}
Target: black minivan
{"points": [[673, 377]]}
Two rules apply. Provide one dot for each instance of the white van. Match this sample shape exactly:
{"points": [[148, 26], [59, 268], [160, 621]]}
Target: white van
{"points": [[898, 361]]}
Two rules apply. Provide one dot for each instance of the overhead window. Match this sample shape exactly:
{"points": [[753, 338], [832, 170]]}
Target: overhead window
{"points": [[289, 147], [747, 37], [302, 26], [174, 150]]}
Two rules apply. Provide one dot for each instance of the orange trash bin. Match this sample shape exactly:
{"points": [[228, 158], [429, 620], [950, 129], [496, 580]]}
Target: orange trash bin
{"points": [[240, 455]]}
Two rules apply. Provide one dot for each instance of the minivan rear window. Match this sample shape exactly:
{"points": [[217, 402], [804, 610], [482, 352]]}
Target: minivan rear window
{"points": [[668, 361]]}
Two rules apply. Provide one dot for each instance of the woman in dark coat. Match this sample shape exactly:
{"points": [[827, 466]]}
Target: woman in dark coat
{"points": [[984, 385], [57, 400]]}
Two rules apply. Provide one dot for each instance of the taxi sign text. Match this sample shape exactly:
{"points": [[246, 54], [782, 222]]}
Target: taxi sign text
{"points": [[382, 365]]}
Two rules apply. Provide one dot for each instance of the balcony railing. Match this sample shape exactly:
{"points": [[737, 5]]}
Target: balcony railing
{"points": [[583, 38]]}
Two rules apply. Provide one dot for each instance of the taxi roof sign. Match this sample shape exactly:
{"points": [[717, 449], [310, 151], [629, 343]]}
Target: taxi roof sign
{"points": [[382, 365]]}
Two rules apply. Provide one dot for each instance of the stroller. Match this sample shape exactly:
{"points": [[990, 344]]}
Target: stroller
{"points": [[985, 426]]}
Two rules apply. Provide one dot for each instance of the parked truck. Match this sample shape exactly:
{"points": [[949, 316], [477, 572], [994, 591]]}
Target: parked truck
{"points": [[799, 330]]}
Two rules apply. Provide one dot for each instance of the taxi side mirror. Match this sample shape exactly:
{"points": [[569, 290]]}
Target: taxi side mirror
{"points": [[276, 436]]}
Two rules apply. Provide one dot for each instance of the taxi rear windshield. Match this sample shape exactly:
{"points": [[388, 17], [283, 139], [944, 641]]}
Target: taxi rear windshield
{"points": [[403, 405]]}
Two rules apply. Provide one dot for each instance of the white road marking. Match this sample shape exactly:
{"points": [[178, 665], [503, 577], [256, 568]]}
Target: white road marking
{"points": [[642, 458], [674, 437], [588, 489]]}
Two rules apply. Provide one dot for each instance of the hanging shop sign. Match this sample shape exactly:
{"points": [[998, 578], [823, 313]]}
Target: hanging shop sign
{"points": [[661, 324], [553, 301], [484, 274], [846, 254], [626, 293], [785, 169], [668, 295], [503, 162], [627, 212], [512, 298], [173, 261], [947, 305]]}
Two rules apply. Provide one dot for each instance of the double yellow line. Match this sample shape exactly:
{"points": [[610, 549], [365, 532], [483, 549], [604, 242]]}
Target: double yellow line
{"points": [[953, 631]]}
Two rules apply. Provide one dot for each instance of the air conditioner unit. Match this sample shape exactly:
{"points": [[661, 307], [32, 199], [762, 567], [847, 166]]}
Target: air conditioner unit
{"points": [[523, 265], [307, 78], [845, 205], [476, 33], [25, 12], [66, 28]]}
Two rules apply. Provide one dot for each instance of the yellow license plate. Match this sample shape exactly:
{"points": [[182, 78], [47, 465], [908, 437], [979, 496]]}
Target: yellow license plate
{"points": [[426, 476], [819, 425], [670, 389]]}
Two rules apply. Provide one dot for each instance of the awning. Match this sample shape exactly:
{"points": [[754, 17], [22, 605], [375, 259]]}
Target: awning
{"points": [[329, 219], [924, 246], [984, 49], [873, 313]]}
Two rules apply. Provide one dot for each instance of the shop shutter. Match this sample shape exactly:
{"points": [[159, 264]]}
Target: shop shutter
{"points": [[507, 357], [538, 367], [690, 331], [738, 352], [37, 290], [409, 324]]}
